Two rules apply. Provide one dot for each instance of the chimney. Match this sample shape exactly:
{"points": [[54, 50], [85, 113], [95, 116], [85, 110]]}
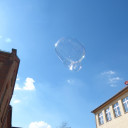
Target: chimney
{"points": [[14, 51]]}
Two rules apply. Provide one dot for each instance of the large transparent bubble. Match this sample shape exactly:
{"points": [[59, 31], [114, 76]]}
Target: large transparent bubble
{"points": [[71, 52]]}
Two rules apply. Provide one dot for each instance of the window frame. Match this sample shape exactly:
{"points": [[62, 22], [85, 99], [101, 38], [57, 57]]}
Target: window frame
{"points": [[108, 114], [125, 102], [101, 119], [116, 110]]}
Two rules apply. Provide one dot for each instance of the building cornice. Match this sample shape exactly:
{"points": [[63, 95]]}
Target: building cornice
{"points": [[120, 93]]}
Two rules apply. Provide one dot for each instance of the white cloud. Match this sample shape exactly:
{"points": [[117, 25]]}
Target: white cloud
{"points": [[111, 78], [29, 84], [114, 79], [40, 124], [17, 87], [70, 81], [110, 72], [16, 101], [17, 78], [113, 85], [8, 40], [5, 39]]}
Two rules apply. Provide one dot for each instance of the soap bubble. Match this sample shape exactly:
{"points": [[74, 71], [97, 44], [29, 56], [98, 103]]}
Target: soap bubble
{"points": [[71, 52]]}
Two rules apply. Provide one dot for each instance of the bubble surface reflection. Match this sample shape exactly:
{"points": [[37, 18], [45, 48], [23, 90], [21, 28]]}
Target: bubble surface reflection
{"points": [[71, 52]]}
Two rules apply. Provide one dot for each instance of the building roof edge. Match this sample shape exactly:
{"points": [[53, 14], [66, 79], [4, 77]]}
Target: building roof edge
{"points": [[124, 90]]}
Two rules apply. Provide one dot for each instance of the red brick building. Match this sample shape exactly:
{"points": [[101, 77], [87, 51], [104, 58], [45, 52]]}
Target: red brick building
{"points": [[9, 64]]}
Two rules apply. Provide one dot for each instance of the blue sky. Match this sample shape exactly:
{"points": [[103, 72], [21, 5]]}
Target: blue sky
{"points": [[46, 92]]}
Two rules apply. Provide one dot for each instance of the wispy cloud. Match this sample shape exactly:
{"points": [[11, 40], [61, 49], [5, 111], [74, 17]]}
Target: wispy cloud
{"points": [[110, 72], [8, 40], [17, 87], [28, 85], [70, 81], [17, 78], [5, 39], [40, 124], [16, 101], [114, 79], [111, 77]]}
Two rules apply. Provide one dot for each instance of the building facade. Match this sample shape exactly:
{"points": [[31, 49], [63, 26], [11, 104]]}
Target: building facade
{"points": [[114, 112], [9, 64]]}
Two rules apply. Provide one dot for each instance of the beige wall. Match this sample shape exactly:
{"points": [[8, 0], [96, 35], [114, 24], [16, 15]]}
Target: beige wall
{"points": [[116, 122]]}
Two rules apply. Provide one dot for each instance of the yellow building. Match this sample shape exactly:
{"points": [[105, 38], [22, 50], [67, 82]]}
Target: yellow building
{"points": [[114, 112]]}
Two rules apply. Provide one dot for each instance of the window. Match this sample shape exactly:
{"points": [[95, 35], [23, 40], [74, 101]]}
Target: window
{"points": [[101, 121], [125, 104], [108, 114], [116, 109]]}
